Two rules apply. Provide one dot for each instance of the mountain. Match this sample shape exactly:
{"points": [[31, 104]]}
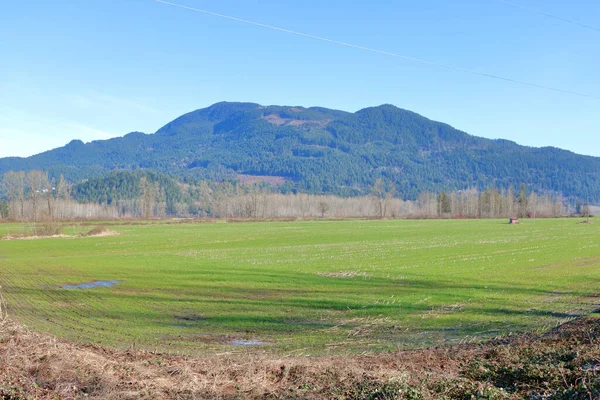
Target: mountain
{"points": [[318, 150]]}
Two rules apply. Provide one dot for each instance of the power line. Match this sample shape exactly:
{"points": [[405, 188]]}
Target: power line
{"points": [[382, 52], [569, 21]]}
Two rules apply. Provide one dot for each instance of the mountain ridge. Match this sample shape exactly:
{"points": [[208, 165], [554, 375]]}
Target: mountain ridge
{"points": [[318, 150]]}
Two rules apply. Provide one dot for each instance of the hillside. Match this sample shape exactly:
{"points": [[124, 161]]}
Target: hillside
{"points": [[317, 150]]}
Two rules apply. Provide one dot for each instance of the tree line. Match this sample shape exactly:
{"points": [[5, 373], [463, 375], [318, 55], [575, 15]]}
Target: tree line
{"points": [[34, 196]]}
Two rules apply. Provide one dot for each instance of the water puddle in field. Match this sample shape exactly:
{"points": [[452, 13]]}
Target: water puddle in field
{"points": [[92, 285], [189, 317], [246, 343]]}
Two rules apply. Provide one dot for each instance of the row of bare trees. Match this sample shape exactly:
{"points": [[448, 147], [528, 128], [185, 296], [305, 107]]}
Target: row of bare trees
{"points": [[256, 202], [33, 197], [491, 203], [471, 203]]}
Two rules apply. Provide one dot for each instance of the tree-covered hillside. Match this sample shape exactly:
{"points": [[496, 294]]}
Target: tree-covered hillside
{"points": [[317, 150]]}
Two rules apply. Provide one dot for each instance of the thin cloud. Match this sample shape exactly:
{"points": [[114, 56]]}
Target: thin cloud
{"points": [[95, 100]]}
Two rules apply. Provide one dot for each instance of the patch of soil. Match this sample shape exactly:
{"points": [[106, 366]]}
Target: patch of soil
{"points": [[252, 179], [275, 119], [95, 232], [33, 237], [100, 231], [343, 274]]}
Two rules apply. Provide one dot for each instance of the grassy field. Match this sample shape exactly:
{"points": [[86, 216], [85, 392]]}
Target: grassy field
{"points": [[307, 287]]}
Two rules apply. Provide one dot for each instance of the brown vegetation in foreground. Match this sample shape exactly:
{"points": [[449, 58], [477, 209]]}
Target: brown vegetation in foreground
{"points": [[561, 364]]}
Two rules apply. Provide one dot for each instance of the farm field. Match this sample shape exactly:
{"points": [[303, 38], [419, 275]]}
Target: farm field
{"points": [[304, 287]]}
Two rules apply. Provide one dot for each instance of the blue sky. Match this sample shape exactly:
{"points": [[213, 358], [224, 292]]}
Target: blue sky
{"points": [[97, 69]]}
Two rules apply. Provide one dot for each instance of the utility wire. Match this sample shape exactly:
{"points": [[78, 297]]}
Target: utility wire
{"points": [[569, 21], [382, 52]]}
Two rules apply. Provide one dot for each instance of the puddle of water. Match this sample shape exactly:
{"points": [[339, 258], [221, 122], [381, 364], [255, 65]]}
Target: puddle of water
{"points": [[189, 317], [247, 343], [92, 285]]}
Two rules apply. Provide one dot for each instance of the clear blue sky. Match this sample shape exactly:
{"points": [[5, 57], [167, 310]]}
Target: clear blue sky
{"points": [[97, 69]]}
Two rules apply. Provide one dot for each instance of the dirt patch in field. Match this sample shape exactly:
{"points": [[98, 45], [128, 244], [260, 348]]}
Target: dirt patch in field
{"points": [[548, 266], [95, 232], [344, 274], [588, 261], [100, 231], [33, 237]]}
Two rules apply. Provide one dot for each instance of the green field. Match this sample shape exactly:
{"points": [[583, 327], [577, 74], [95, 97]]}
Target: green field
{"points": [[306, 287]]}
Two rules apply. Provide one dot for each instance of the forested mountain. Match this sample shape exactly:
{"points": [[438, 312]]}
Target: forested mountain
{"points": [[317, 150]]}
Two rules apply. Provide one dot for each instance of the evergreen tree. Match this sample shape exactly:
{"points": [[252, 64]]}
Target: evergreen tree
{"points": [[4, 209], [523, 202], [444, 205]]}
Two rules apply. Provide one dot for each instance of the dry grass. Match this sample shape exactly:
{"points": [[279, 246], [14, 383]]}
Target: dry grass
{"points": [[43, 367], [95, 232], [100, 231], [40, 367], [32, 237]]}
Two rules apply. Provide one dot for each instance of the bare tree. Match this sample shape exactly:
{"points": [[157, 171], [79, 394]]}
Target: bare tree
{"points": [[382, 196], [62, 195], [148, 198], [252, 203], [15, 189], [510, 202], [496, 203], [37, 182], [323, 208], [49, 193], [587, 211]]}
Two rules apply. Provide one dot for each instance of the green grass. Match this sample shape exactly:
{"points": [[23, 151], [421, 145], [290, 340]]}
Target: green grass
{"points": [[312, 287]]}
